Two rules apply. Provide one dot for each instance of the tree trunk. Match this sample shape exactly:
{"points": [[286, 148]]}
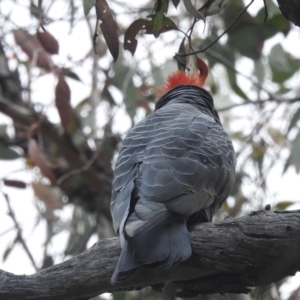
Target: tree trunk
{"points": [[229, 256]]}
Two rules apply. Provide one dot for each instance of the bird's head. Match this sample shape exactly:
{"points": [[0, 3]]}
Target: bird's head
{"points": [[181, 79], [196, 78]]}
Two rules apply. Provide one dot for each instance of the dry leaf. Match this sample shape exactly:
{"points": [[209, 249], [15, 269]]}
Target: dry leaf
{"points": [[48, 41], [108, 27], [31, 45], [130, 42], [47, 195], [62, 101], [40, 161], [15, 183]]}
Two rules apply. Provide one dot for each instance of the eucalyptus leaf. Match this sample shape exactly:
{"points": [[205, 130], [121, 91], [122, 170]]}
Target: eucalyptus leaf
{"points": [[7, 153], [294, 120], [282, 64], [294, 158], [87, 6], [192, 10]]}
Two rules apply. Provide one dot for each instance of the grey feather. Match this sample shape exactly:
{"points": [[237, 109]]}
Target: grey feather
{"points": [[175, 168]]}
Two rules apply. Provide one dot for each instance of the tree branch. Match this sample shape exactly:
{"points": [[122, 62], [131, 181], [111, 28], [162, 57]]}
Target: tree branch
{"points": [[259, 102], [25, 117], [19, 231], [228, 256]]}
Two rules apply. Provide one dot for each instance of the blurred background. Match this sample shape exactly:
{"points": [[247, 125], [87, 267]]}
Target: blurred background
{"points": [[65, 109]]}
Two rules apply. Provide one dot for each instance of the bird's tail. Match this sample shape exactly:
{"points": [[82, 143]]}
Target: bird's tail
{"points": [[126, 265], [156, 247]]}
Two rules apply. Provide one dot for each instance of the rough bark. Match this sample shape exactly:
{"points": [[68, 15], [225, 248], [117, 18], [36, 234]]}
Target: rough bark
{"points": [[290, 9], [229, 256]]}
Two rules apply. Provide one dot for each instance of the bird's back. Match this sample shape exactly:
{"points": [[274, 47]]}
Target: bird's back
{"points": [[174, 167]]}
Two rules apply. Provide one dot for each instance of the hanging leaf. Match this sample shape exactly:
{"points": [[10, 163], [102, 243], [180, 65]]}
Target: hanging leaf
{"points": [[158, 19], [192, 10], [235, 86], [71, 74], [87, 6], [39, 160], [294, 158], [277, 136], [62, 101], [15, 183], [213, 7], [108, 27], [7, 153], [276, 22], [47, 195], [48, 41], [181, 60], [259, 150], [31, 45], [175, 2], [202, 67], [294, 120], [259, 70], [123, 81], [130, 42], [283, 65], [10, 248]]}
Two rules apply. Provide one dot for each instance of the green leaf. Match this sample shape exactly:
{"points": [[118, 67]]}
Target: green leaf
{"points": [[72, 75], [248, 40], [234, 85], [7, 153], [6, 253], [275, 23], [294, 158], [223, 52], [120, 296], [181, 60], [158, 19], [87, 6], [192, 10], [282, 64], [249, 37], [3, 128], [123, 81], [259, 150], [283, 205], [214, 7], [259, 70], [10, 248]]}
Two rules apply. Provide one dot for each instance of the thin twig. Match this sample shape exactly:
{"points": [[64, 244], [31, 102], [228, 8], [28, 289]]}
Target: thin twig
{"points": [[266, 11], [219, 37], [260, 102], [19, 231], [80, 170], [229, 65], [6, 231]]}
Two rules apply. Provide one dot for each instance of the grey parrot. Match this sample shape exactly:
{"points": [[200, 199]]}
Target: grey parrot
{"points": [[175, 169]]}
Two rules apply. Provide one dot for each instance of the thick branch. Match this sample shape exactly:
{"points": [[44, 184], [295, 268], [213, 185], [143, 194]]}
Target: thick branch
{"points": [[228, 256]]}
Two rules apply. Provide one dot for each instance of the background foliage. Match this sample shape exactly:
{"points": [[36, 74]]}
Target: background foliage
{"points": [[66, 108]]}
